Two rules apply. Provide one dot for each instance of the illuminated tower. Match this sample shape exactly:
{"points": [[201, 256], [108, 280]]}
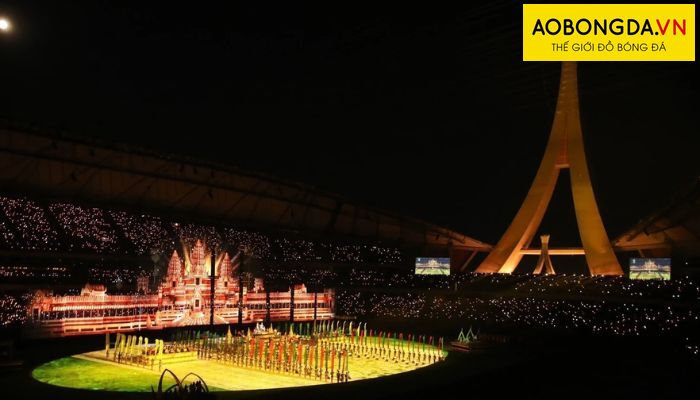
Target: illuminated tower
{"points": [[564, 150], [225, 270], [198, 259], [174, 269]]}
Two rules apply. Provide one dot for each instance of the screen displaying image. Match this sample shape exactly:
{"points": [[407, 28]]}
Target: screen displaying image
{"points": [[650, 268], [432, 266]]}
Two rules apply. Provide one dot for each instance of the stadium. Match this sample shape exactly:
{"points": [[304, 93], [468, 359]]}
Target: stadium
{"points": [[198, 251]]}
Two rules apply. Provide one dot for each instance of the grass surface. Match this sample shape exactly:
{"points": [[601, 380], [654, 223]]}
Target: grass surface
{"points": [[91, 371], [79, 373]]}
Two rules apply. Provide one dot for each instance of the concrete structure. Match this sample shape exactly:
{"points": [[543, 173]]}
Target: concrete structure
{"points": [[671, 231], [564, 150], [544, 263]]}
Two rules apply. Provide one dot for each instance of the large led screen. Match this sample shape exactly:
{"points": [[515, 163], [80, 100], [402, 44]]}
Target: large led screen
{"points": [[432, 266], [650, 268]]}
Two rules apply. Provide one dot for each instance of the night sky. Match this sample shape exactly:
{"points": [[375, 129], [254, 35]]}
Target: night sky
{"points": [[424, 111]]}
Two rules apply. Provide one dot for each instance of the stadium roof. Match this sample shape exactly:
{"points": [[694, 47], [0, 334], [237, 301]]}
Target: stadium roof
{"points": [[59, 166], [672, 230]]}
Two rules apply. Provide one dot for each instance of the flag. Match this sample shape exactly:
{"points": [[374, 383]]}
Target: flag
{"points": [[299, 349], [323, 358]]}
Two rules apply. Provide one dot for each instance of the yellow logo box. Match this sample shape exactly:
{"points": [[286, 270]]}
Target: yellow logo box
{"points": [[608, 32]]}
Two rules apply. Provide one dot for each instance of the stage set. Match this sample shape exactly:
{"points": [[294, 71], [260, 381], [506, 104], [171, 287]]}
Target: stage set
{"points": [[299, 354], [183, 298]]}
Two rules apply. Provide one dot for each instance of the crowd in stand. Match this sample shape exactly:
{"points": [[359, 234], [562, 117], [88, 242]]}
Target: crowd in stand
{"points": [[595, 317], [254, 243], [115, 277], [32, 228], [681, 288], [145, 232], [86, 226], [59, 226], [13, 309], [346, 253], [25, 273], [317, 277], [518, 285]]}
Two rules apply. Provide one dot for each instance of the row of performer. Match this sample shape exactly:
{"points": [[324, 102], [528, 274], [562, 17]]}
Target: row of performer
{"points": [[282, 354], [132, 349], [319, 352]]}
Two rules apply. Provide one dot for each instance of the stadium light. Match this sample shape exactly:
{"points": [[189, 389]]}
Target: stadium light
{"points": [[5, 25]]}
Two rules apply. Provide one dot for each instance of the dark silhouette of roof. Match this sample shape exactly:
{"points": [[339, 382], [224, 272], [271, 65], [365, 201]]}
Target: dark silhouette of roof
{"points": [[672, 230], [57, 165]]}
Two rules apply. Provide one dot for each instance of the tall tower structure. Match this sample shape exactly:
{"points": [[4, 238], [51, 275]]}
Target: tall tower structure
{"points": [[174, 268], [564, 150], [225, 271], [198, 259]]}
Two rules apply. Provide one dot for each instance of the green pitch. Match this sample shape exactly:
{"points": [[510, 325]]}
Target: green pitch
{"points": [[431, 271], [90, 371], [644, 275], [80, 373]]}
